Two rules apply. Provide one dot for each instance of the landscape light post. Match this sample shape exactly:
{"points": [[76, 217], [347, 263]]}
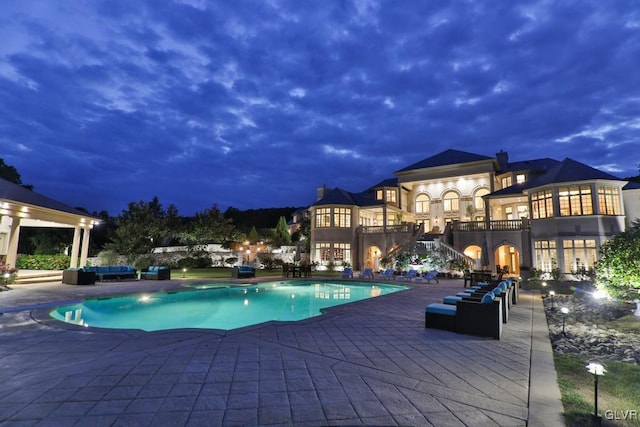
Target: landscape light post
{"points": [[551, 295], [564, 311], [184, 271], [596, 368]]}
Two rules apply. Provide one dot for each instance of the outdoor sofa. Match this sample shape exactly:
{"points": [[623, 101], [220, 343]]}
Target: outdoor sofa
{"points": [[156, 272], [113, 272], [481, 318]]}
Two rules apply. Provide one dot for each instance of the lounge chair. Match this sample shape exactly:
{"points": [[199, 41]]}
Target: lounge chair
{"points": [[347, 273], [389, 274], [432, 275], [367, 273], [411, 274]]}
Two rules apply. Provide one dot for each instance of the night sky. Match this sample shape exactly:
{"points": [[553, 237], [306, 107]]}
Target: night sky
{"points": [[257, 103]]}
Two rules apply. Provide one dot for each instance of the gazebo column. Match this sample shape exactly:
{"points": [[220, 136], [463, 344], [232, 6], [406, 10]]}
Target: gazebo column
{"points": [[85, 246], [75, 247], [14, 235]]}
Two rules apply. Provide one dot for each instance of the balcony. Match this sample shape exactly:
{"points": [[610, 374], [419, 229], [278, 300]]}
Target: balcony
{"points": [[496, 225]]}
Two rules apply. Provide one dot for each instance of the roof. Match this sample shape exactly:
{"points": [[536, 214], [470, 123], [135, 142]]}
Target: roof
{"points": [[389, 182], [536, 165], [632, 185], [338, 196], [447, 157], [17, 193], [570, 170]]}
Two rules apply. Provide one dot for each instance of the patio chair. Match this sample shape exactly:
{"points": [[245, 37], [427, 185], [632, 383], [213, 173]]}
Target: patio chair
{"points": [[432, 275], [367, 273], [411, 274], [347, 273], [388, 274]]}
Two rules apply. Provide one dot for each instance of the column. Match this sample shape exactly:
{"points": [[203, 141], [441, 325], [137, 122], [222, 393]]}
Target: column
{"points": [[14, 235], [85, 246], [75, 247]]}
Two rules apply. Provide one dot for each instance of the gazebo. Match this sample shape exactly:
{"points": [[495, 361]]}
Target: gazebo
{"points": [[20, 207]]}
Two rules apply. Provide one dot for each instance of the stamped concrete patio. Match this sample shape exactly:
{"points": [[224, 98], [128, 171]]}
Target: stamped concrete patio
{"points": [[366, 363]]}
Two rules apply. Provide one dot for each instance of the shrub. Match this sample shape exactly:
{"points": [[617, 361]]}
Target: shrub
{"points": [[43, 262], [194, 262], [618, 270], [108, 258], [143, 262]]}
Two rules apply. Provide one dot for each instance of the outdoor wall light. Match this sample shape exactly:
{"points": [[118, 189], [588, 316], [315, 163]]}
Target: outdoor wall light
{"points": [[564, 311], [596, 368], [551, 295]]}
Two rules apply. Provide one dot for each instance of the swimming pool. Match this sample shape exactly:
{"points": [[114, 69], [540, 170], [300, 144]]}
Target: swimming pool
{"points": [[216, 307]]}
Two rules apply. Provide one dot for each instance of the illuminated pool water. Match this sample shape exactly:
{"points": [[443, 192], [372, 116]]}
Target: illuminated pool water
{"points": [[213, 307]]}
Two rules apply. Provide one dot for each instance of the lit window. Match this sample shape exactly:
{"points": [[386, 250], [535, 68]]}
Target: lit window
{"points": [[508, 211], [545, 254], [542, 204], [391, 196], [609, 200], [323, 252], [506, 181], [575, 200], [478, 201], [422, 203], [323, 217], [520, 178], [451, 202], [342, 217], [379, 195], [579, 255], [341, 253]]}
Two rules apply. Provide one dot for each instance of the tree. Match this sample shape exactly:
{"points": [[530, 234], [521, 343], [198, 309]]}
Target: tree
{"points": [[281, 233], [11, 174], [253, 236], [618, 270], [208, 226], [143, 226]]}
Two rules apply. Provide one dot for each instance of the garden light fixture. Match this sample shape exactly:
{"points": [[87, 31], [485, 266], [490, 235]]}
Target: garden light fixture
{"points": [[596, 368], [564, 311], [184, 271], [551, 295]]}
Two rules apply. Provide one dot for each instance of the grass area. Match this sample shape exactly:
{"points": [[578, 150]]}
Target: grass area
{"points": [[225, 273], [618, 391], [630, 323]]}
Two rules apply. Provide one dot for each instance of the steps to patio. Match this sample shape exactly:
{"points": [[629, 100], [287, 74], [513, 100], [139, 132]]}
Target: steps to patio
{"points": [[26, 277]]}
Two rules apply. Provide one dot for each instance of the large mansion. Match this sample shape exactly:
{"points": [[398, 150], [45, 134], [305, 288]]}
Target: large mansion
{"points": [[540, 213]]}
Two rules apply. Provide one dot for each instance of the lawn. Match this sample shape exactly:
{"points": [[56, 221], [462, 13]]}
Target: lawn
{"points": [[618, 392]]}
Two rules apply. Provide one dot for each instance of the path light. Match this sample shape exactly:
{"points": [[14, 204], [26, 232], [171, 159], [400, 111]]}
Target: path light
{"points": [[564, 311], [184, 271], [596, 368], [551, 295]]}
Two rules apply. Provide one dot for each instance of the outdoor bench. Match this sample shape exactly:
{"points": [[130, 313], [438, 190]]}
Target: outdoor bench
{"points": [[156, 272]]}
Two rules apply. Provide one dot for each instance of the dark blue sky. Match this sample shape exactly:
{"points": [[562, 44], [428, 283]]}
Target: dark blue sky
{"points": [[256, 103]]}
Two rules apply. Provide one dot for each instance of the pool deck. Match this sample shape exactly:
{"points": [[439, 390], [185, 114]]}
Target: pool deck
{"points": [[367, 363]]}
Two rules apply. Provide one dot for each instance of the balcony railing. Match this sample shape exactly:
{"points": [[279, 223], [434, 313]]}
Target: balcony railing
{"points": [[496, 225], [378, 229]]}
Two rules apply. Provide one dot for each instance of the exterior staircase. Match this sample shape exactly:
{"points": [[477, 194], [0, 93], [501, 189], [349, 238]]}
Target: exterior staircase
{"points": [[26, 277]]}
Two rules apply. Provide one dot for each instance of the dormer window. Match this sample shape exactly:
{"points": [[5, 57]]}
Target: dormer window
{"points": [[506, 181], [391, 196], [520, 178]]}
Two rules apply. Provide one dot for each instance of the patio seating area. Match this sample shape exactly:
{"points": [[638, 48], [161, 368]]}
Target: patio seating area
{"points": [[370, 362]]}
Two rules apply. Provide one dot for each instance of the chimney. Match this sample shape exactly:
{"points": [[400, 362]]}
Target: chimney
{"points": [[503, 160], [321, 192]]}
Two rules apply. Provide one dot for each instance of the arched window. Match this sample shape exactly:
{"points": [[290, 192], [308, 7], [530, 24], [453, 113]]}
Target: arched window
{"points": [[478, 202], [451, 201], [422, 204]]}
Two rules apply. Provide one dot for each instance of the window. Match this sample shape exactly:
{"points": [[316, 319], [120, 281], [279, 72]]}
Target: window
{"points": [[323, 217], [478, 201], [323, 252], [390, 196], [342, 217], [545, 254], [341, 253], [422, 204], [425, 223], [575, 200], [579, 255], [508, 212], [379, 195], [506, 181], [451, 202], [523, 212], [520, 178], [609, 200], [542, 204]]}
